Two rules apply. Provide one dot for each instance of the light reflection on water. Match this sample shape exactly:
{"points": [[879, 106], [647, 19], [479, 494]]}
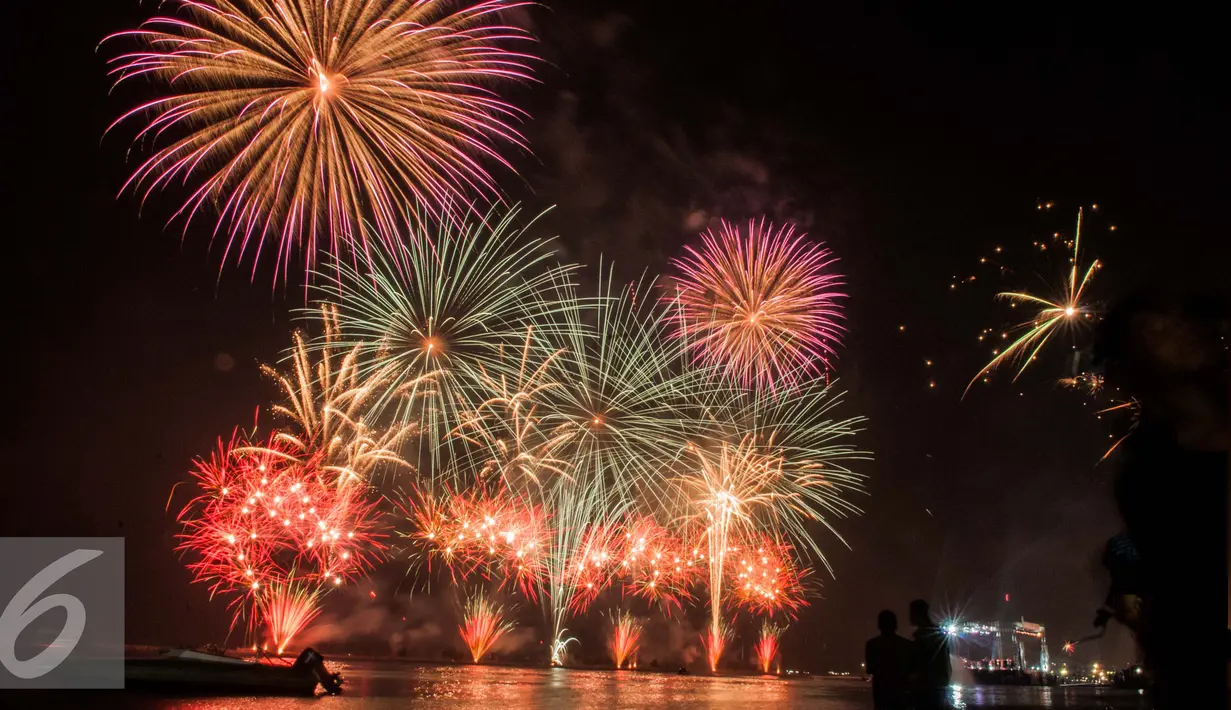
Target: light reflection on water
{"points": [[389, 685]]}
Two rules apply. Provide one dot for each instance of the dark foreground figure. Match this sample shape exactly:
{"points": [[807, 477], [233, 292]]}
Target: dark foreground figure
{"points": [[888, 658], [1168, 576], [931, 659]]}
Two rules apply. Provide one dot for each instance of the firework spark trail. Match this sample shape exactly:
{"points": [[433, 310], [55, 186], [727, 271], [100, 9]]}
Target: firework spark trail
{"points": [[276, 531], [299, 121], [435, 318], [715, 642], [326, 402], [762, 305], [582, 417], [576, 509], [774, 462], [726, 487], [483, 624], [287, 608], [625, 637], [1133, 407], [1066, 313], [767, 645]]}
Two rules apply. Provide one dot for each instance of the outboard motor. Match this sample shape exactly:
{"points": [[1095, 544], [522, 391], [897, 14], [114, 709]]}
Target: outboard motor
{"points": [[312, 661]]}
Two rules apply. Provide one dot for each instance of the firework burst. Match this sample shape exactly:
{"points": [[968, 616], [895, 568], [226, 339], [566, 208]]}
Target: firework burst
{"points": [[767, 645], [479, 534], [274, 530], [483, 623], [771, 463], [624, 396], [764, 578], [1067, 312], [326, 402], [657, 564], [297, 121], [625, 637], [436, 316], [762, 305]]}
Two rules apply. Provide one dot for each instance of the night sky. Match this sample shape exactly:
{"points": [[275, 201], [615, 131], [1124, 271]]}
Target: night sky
{"points": [[910, 141]]}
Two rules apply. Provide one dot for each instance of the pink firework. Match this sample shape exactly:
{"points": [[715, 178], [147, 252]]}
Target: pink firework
{"points": [[296, 122], [277, 531], [762, 305]]}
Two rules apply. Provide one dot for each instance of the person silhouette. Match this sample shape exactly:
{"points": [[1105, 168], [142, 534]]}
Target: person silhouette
{"points": [[930, 669], [1168, 353], [887, 658]]}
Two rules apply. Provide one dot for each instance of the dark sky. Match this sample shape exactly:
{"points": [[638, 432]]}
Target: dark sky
{"points": [[909, 140]]}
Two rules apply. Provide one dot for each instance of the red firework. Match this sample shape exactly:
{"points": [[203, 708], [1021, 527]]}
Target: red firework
{"points": [[715, 641], [483, 623], [275, 530], [767, 645], [659, 566], [488, 535], [595, 566], [761, 305], [625, 638], [764, 578]]}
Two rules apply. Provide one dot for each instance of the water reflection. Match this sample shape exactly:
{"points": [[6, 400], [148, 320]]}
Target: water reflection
{"points": [[393, 685]]}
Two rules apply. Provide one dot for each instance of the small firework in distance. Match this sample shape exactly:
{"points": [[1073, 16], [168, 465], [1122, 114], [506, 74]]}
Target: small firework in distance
{"points": [[1067, 312], [1087, 382], [761, 305], [297, 122], [483, 623]]}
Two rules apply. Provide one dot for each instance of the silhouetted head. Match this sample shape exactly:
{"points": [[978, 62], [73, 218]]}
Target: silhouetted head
{"points": [[1148, 343], [919, 613], [887, 622]]}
